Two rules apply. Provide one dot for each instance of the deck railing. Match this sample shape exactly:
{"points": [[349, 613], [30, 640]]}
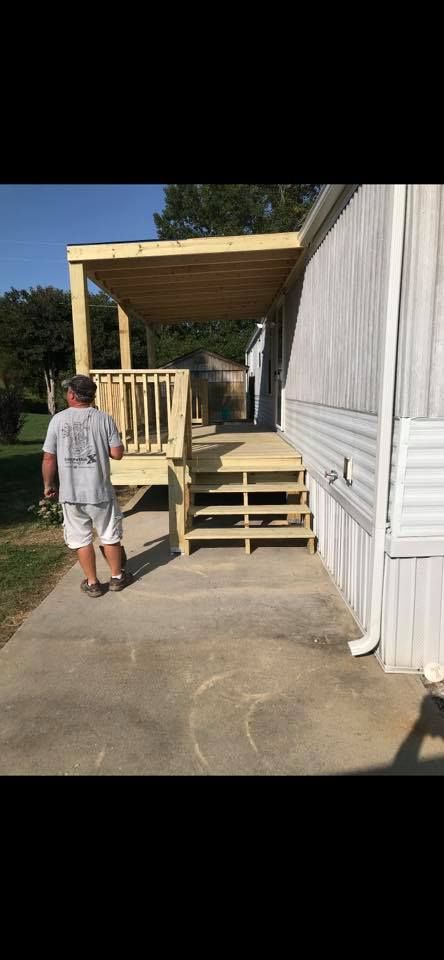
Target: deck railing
{"points": [[140, 401], [152, 410]]}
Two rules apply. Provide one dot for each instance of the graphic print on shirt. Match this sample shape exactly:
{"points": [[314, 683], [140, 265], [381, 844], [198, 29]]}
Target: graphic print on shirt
{"points": [[76, 436]]}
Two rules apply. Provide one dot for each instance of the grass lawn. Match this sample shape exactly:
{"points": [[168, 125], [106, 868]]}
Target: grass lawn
{"points": [[32, 557]]}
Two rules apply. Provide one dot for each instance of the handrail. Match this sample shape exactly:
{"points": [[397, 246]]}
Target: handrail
{"points": [[179, 416]]}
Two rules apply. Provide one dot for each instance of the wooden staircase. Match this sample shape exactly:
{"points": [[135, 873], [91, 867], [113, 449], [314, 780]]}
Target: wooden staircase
{"points": [[256, 518]]}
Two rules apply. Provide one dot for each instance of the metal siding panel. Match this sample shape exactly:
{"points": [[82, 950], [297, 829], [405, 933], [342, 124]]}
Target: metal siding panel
{"points": [[405, 607], [413, 613], [440, 658], [436, 386], [344, 547], [428, 607], [422, 509], [390, 610], [335, 343], [325, 435], [334, 347], [420, 387]]}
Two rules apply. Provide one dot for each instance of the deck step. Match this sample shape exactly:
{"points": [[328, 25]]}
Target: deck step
{"points": [[250, 533], [286, 487], [251, 509], [251, 465], [296, 475]]}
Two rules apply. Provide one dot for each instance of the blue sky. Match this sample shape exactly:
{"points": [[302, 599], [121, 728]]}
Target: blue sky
{"points": [[37, 221]]}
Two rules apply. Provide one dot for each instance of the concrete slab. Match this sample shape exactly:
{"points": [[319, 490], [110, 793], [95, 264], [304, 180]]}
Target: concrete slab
{"points": [[214, 664]]}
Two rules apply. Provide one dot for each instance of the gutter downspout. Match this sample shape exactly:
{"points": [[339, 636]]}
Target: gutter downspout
{"points": [[370, 640]]}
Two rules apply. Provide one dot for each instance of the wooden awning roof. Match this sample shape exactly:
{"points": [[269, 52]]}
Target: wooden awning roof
{"points": [[213, 278]]}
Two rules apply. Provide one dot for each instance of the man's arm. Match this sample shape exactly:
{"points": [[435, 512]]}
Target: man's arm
{"points": [[116, 453], [115, 445], [49, 473]]}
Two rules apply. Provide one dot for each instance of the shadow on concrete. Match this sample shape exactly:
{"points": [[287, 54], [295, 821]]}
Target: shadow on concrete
{"points": [[430, 722], [154, 500], [158, 555], [407, 761]]}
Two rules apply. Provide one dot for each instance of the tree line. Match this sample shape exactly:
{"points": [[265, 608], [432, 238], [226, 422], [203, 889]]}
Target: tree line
{"points": [[37, 347]]}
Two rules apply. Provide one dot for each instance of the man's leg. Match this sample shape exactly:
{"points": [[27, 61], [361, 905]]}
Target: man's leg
{"points": [[113, 555], [87, 560], [77, 530], [124, 558], [108, 523]]}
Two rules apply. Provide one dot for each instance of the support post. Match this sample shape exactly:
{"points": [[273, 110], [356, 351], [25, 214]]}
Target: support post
{"points": [[80, 318], [177, 496], [124, 339]]}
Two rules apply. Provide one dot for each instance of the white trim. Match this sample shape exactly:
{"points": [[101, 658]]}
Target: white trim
{"points": [[371, 639], [414, 546], [386, 669], [320, 210], [401, 465]]}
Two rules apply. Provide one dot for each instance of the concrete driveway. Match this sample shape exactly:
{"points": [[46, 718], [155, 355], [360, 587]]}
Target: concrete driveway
{"points": [[214, 664]]}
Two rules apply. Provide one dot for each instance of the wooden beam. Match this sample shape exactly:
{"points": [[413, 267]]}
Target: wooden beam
{"points": [[232, 312], [170, 294], [124, 339], [80, 318], [190, 317], [202, 281], [164, 272], [236, 300], [247, 243], [249, 261], [127, 307]]}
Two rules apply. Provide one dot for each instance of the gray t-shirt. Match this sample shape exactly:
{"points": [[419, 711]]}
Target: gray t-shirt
{"points": [[81, 438]]}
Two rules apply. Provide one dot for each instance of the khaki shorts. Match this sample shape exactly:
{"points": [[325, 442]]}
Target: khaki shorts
{"points": [[80, 518]]}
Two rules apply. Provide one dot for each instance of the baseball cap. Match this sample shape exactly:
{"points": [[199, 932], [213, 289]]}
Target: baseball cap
{"points": [[83, 387]]}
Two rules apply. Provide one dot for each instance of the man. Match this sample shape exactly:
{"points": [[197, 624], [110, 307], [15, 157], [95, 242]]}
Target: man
{"points": [[78, 444]]}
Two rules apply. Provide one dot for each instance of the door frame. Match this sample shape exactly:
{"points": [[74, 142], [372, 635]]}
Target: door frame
{"points": [[280, 306]]}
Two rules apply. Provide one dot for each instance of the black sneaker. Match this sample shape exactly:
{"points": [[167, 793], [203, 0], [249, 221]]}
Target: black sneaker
{"points": [[92, 589], [116, 583]]}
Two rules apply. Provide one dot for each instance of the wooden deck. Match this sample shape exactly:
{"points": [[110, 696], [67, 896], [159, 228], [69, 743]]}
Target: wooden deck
{"points": [[233, 447], [217, 448]]}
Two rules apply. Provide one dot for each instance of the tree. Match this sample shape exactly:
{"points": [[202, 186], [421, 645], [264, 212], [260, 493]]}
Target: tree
{"points": [[36, 327], [225, 209], [36, 339], [231, 209], [11, 370], [228, 339]]}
